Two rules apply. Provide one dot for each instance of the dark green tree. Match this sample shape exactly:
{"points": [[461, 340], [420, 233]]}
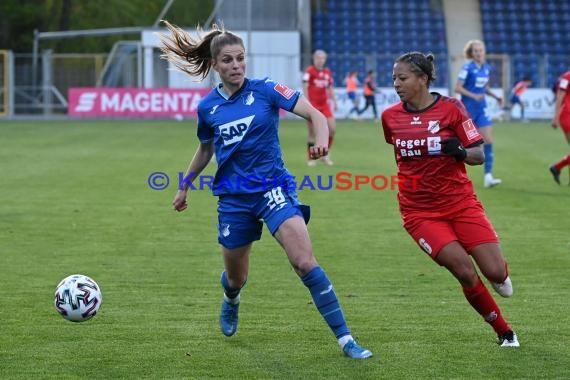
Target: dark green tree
{"points": [[19, 19]]}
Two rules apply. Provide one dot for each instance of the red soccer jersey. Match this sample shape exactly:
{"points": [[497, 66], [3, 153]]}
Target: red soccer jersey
{"points": [[520, 88], [564, 84], [369, 86], [318, 81], [442, 182]]}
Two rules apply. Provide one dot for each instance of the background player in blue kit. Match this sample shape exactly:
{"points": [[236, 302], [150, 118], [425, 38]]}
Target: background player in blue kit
{"points": [[239, 119], [473, 85]]}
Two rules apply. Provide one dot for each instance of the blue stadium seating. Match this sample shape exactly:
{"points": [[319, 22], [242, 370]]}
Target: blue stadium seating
{"points": [[351, 30], [538, 27], [356, 32]]}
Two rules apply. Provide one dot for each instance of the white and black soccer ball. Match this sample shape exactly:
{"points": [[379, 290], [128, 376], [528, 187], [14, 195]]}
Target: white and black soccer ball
{"points": [[78, 298]]}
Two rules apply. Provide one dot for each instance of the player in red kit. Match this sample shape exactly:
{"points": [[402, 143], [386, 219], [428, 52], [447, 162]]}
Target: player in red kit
{"points": [[562, 119], [518, 89], [433, 138], [318, 88]]}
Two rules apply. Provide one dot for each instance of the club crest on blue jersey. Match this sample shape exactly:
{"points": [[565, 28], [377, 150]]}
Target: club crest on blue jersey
{"points": [[234, 131], [249, 99]]}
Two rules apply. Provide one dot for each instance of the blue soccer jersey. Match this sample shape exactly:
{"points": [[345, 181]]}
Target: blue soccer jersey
{"points": [[244, 130], [475, 79]]}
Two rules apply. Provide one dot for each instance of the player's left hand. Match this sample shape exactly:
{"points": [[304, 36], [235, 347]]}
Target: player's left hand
{"points": [[180, 203], [318, 151], [452, 147]]}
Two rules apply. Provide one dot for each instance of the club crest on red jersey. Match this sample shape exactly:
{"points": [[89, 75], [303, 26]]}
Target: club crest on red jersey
{"points": [[433, 126]]}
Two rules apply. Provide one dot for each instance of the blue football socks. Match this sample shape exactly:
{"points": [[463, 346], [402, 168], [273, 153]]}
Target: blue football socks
{"points": [[326, 301], [488, 150], [231, 293]]}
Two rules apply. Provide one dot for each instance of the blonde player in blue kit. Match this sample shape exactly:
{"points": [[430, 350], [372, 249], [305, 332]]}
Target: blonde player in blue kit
{"points": [[239, 119], [473, 85]]}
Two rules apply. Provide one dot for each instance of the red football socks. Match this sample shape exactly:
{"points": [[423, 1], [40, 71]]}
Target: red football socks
{"points": [[482, 301], [562, 163], [309, 145]]}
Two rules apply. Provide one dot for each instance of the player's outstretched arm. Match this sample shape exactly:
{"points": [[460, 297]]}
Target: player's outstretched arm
{"points": [[201, 158], [317, 124]]}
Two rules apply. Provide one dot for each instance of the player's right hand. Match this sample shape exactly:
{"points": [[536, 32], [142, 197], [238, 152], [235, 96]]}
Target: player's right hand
{"points": [[179, 203]]}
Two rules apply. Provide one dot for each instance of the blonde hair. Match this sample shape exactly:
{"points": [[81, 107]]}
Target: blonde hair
{"points": [[320, 52], [468, 49], [195, 56]]}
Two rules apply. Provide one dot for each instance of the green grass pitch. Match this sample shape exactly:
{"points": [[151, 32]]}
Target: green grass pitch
{"points": [[75, 199]]}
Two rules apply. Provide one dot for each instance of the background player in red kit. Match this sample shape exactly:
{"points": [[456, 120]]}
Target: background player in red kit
{"points": [[516, 92], [318, 88], [562, 119], [433, 138]]}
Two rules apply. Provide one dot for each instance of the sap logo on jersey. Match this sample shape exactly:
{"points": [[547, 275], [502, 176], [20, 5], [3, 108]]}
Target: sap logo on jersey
{"points": [[234, 131], [481, 82]]}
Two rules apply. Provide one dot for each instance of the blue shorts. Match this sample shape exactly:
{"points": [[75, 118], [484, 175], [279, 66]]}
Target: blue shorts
{"points": [[351, 95], [480, 117], [515, 99], [241, 216]]}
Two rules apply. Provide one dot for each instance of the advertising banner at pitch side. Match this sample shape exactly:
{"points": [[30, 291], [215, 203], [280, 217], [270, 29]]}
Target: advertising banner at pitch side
{"points": [[182, 103], [135, 102]]}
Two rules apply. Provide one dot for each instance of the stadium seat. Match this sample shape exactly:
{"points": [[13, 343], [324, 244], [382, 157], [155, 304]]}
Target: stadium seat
{"points": [[512, 7], [524, 6], [498, 6], [421, 6], [537, 6], [397, 5], [371, 7], [538, 26], [552, 6]]}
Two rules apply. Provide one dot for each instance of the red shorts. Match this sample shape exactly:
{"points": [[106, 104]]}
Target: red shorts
{"points": [[469, 226], [325, 109]]}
